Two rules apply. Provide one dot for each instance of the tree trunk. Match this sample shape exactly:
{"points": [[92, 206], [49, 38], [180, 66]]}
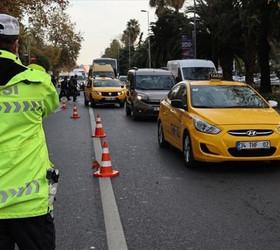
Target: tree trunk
{"points": [[226, 60], [215, 56], [249, 60], [263, 51]]}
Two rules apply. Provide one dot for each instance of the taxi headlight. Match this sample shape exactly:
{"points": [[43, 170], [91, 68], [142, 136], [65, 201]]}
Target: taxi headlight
{"points": [[278, 129], [98, 93], [205, 127], [121, 93]]}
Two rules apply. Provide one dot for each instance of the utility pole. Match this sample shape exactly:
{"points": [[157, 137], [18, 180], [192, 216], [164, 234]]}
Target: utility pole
{"points": [[194, 29], [149, 41], [128, 49]]}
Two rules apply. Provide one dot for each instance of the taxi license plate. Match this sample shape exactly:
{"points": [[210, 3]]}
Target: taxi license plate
{"points": [[252, 145], [110, 98], [156, 108]]}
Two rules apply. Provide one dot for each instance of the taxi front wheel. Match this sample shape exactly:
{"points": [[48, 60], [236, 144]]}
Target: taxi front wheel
{"points": [[161, 140], [189, 160]]}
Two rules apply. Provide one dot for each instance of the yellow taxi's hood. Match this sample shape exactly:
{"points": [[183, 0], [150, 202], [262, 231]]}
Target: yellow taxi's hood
{"points": [[241, 116], [108, 89]]}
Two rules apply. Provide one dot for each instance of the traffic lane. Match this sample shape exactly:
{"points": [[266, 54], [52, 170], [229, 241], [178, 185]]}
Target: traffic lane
{"points": [[78, 210], [163, 205]]}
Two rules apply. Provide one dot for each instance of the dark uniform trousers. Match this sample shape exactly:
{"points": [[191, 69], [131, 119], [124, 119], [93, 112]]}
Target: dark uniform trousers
{"points": [[33, 233]]}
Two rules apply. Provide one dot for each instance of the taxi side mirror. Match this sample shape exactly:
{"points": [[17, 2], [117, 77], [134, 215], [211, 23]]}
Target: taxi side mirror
{"points": [[273, 104], [178, 103]]}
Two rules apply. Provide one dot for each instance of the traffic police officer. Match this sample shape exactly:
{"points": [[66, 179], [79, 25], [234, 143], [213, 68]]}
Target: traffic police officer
{"points": [[26, 96]]}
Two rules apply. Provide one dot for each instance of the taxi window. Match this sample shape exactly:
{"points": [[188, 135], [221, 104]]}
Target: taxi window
{"points": [[226, 97]]}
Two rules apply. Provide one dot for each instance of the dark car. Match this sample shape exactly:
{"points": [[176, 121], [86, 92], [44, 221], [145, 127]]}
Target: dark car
{"points": [[146, 88]]}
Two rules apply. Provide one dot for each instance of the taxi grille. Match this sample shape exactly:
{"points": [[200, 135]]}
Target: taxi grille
{"points": [[251, 132], [109, 93], [252, 152]]}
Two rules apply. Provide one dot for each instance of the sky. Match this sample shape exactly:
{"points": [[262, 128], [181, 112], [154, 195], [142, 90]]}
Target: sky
{"points": [[101, 21]]}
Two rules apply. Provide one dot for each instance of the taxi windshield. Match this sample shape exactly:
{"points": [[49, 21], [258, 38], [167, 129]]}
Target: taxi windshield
{"points": [[107, 83], [154, 82], [197, 73], [225, 97]]}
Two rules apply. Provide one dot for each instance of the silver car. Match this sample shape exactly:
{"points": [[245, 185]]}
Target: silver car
{"points": [[146, 88]]}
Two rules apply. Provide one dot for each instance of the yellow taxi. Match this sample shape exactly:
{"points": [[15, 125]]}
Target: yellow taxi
{"points": [[104, 90], [217, 121]]}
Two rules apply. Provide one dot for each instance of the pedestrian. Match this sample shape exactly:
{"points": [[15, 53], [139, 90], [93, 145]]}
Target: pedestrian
{"points": [[73, 87], [64, 88], [26, 96], [54, 80]]}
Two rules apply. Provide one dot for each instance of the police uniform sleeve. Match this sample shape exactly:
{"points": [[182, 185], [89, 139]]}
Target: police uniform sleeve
{"points": [[51, 100]]}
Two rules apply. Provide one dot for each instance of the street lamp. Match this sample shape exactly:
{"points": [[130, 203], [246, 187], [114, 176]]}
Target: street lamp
{"points": [[149, 42]]}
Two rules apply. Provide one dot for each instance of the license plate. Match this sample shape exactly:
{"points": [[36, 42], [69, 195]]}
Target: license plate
{"points": [[156, 108], [110, 98], [252, 145]]}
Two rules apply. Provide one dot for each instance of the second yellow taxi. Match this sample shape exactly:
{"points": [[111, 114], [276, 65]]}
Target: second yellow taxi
{"points": [[216, 121], [104, 90]]}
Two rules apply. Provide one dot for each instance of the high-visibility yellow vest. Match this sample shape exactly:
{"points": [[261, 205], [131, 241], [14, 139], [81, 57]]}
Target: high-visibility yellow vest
{"points": [[37, 67], [26, 96]]}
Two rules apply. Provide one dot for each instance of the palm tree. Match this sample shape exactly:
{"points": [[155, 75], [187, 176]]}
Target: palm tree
{"points": [[163, 5], [176, 4], [167, 35], [220, 19], [160, 5], [266, 9], [131, 32], [261, 26]]}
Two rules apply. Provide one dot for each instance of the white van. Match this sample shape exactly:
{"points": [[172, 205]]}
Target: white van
{"points": [[191, 69]]}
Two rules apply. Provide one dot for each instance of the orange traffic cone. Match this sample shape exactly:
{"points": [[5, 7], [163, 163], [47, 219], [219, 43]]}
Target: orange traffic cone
{"points": [[105, 169], [75, 114], [63, 104], [99, 131]]}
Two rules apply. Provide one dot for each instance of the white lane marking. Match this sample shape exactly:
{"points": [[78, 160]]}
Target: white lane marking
{"points": [[114, 229]]}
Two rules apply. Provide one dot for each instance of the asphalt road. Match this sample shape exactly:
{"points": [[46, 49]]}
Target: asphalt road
{"points": [[162, 204], [78, 211]]}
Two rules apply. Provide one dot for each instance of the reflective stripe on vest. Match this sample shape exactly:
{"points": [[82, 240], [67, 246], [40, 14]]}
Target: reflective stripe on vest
{"points": [[24, 106], [30, 188]]}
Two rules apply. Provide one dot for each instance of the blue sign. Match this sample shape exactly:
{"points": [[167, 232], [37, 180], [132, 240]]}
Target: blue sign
{"points": [[187, 47]]}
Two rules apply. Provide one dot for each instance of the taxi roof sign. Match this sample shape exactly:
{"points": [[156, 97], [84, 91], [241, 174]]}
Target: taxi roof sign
{"points": [[215, 76]]}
